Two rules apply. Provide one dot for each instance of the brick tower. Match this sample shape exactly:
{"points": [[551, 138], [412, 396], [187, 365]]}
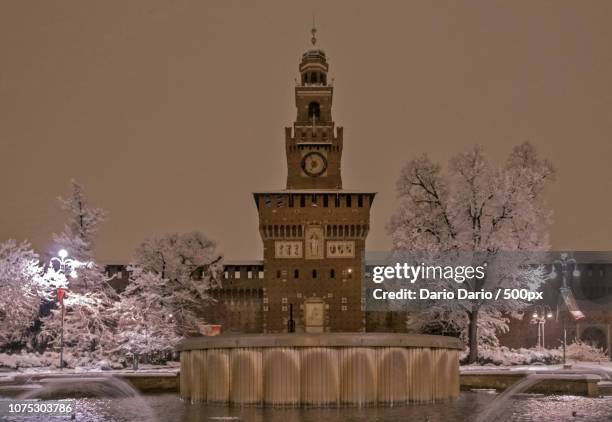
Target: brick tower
{"points": [[313, 231]]}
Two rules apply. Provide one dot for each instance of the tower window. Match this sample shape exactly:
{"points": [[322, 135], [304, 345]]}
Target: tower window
{"points": [[302, 201], [326, 201], [296, 273], [278, 273], [349, 201], [332, 273], [314, 273], [360, 201], [314, 110]]}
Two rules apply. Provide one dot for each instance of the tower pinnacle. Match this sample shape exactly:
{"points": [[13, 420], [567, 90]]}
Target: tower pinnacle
{"points": [[313, 31]]}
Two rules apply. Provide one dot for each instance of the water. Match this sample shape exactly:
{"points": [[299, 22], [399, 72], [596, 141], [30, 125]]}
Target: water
{"points": [[170, 408], [497, 408], [319, 376]]}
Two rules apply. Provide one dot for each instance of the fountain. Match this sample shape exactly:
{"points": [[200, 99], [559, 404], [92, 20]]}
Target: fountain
{"points": [[335, 369]]}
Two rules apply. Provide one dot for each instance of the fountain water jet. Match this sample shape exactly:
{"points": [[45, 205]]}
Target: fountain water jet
{"points": [[338, 369], [125, 397]]}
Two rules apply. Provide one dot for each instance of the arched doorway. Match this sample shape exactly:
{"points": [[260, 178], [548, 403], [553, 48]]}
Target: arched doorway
{"points": [[314, 315], [595, 336]]}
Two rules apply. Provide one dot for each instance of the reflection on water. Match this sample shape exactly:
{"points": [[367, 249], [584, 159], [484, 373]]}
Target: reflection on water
{"points": [[170, 408]]}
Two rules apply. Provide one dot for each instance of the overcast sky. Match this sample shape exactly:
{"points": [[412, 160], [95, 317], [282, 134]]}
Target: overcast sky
{"points": [[172, 112]]}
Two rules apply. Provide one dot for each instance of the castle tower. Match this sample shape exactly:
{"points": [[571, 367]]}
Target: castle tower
{"points": [[313, 231]]}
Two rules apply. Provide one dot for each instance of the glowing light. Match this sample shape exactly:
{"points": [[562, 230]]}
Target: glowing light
{"points": [[63, 253], [535, 314], [576, 273], [549, 315]]}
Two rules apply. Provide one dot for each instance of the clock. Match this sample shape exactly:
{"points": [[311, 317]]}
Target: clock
{"points": [[314, 164]]}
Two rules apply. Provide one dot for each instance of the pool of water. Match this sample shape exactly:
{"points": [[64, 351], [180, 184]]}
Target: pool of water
{"points": [[170, 408]]}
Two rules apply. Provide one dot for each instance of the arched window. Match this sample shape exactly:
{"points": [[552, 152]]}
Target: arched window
{"points": [[314, 109], [332, 273], [296, 273], [314, 273], [278, 273]]}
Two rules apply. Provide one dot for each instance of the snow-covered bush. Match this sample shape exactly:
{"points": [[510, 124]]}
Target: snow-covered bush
{"points": [[504, 356], [585, 352], [50, 359], [508, 357]]}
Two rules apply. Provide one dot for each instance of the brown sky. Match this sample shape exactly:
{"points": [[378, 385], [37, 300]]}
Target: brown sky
{"points": [[172, 112]]}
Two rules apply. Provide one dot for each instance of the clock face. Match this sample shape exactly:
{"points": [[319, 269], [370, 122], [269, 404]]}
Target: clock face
{"points": [[314, 164]]}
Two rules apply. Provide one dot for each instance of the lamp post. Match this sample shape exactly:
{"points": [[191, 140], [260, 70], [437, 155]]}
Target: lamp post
{"points": [[564, 263], [65, 266], [539, 317]]}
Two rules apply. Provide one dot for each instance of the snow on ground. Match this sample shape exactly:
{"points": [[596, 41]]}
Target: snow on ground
{"points": [[9, 376]]}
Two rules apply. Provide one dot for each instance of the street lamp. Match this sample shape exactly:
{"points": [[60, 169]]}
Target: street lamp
{"points": [[564, 264], [65, 266], [539, 317]]}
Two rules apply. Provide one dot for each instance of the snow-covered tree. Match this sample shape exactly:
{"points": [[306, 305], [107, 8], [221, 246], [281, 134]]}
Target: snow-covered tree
{"points": [[78, 238], [87, 325], [481, 211], [145, 323], [20, 277], [175, 271]]}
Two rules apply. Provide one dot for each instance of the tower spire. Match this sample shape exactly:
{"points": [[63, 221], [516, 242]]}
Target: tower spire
{"points": [[313, 31]]}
